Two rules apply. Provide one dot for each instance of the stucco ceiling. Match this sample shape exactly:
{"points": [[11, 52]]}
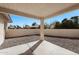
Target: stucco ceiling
{"points": [[37, 10]]}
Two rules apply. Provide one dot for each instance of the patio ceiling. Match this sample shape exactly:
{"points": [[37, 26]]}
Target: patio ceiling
{"points": [[37, 10]]}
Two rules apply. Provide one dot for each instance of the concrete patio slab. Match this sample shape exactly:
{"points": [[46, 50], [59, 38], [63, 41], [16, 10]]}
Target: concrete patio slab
{"points": [[47, 48], [17, 49]]}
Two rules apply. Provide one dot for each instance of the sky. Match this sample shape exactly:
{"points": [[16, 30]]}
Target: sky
{"points": [[20, 20]]}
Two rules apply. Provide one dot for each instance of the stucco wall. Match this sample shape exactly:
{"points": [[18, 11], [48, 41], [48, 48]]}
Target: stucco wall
{"points": [[21, 32], [63, 32], [53, 32]]}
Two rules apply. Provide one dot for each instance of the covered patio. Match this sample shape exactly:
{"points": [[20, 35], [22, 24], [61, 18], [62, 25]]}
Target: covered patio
{"points": [[41, 12]]}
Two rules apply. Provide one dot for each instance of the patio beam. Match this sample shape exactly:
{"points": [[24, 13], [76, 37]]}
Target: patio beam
{"points": [[42, 30]]}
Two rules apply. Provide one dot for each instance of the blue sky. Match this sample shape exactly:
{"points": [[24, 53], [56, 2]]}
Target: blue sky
{"points": [[19, 20]]}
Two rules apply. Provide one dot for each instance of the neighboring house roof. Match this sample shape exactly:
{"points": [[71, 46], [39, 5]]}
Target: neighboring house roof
{"points": [[74, 17], [34, 26], [37, 10]]}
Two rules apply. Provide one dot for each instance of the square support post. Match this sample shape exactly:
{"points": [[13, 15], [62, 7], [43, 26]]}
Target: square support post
{"points": [[2, 31], [42, 30]]}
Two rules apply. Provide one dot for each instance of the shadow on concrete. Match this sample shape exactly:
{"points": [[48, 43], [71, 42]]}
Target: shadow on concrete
{"points": [[29, 51]]}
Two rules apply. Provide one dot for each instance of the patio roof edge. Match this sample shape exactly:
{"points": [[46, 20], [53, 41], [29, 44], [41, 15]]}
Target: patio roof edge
{"points": [[10, 11]]}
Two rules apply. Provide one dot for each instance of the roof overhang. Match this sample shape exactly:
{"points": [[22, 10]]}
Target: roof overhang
{"points": [[6, 17], [37, 10]]}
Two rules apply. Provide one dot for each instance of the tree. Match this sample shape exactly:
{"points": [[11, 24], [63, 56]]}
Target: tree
{"points": [[34, 24], [64, 20], [65, 24], [68, 24], [57, 25], [18, 27]]}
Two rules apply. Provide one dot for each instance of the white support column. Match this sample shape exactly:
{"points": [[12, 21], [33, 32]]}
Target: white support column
{"points": [[5, 28], [42, 30], [2, 31]]}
